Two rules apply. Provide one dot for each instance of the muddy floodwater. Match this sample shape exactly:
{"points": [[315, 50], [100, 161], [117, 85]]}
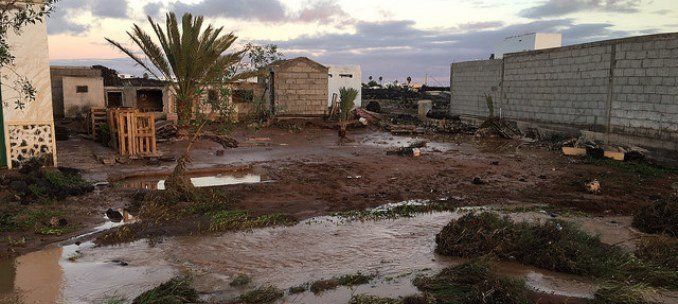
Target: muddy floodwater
{"points": [[395, 251], [215, 180]]}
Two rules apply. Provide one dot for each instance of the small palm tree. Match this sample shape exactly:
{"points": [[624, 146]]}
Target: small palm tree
{"points": [[191, 58], [346, 104]]}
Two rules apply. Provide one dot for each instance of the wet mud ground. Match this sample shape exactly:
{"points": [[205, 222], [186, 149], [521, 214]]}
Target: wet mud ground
{"points": [[308, 175]]}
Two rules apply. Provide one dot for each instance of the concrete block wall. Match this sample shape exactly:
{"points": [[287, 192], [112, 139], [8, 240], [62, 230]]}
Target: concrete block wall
{"points": [[471, 82], [626, 87], [301, 88]]}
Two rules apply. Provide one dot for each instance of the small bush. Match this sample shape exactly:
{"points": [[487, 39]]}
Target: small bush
{"points": [[262, 295], [662, 217], [176, 291]]}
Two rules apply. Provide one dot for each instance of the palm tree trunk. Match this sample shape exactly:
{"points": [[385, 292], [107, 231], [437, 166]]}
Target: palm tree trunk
{"points": [[179, 183]]}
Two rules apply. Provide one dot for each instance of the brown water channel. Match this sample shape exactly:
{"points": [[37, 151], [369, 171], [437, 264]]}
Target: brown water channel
{"points": [[320, 248]]}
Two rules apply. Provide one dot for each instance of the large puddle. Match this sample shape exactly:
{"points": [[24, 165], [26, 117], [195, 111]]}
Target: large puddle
{"points": [[321, 248], [215, 180]]}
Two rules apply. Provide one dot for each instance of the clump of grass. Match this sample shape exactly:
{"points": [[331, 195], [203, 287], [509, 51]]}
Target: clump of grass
{"points": [[620, 294], [640, 168], [298, 289], [115, 300], [406, 210], [121, 235], [262, 295], [661, 251], [239, 220], [365, 299], [660, 218], [177, 290], [240, 280], [346, 280], [33, 218], [166, 206], [553, 245], [472, 282]]}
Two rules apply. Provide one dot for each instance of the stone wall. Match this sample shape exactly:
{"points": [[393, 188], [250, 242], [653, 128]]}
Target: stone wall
{"points": [[625, 86], [300, 88]]}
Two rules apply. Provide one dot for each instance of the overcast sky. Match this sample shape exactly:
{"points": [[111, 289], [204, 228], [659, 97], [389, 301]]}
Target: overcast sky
{"points": [[389, 38]]}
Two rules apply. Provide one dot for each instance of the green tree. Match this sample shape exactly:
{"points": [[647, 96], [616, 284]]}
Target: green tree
{"points": [[193, 59], [14, 16]]}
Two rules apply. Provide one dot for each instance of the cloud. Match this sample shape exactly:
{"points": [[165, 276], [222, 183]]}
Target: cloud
{"points": [[325, 11], [552, 8], [274, 11], [109, 8], [61, 20], [153, 9], [397, 49], [259, 10]]}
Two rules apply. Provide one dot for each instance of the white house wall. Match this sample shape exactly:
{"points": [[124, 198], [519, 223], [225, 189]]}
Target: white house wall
{"points": [[28, 124], [336, 81]]}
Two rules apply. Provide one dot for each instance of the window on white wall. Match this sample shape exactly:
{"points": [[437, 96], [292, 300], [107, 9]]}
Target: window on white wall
{"points": [[346, 75], [81, 89]]}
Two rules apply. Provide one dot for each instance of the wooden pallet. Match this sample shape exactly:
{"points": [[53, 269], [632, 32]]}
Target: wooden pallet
{"points": [[95, 120], [134, 133]]}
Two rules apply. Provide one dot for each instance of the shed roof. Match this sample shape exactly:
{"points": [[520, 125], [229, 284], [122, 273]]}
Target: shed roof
{"points": [[281, 64]]}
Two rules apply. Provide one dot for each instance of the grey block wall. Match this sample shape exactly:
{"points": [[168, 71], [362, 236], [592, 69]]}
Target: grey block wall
{"points": [[471, 82], [627, 86]]}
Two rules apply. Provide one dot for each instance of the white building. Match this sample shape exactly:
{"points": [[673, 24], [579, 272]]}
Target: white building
{"points": [[26, 121], [528, 42], [348, 76]]}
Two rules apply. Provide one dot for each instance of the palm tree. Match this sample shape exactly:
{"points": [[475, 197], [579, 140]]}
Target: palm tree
{"points": [[191, 58]]}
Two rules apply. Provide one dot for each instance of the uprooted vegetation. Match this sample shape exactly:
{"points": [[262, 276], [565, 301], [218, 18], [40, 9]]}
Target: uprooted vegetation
{"points": [[620, 294], [261, 295], [204, 210], [660, 218], [553, 245], [472, 282], [177, 290], [660, 251], [404, 210], [346, 280], [35, 183]]}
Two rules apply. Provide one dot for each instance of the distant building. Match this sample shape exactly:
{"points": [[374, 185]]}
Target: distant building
{"points": [[344, 76], [75, 90], [26, 119], [528, 42]]}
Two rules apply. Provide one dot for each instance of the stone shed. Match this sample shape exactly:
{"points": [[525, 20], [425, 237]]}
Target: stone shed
{"points": [[298, 87]]}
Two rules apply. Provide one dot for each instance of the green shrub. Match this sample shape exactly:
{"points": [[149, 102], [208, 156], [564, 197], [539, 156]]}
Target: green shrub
{"points": [[262, 295]]}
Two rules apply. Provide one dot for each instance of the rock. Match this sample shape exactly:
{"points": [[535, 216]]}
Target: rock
{"points": [[114, 216], [478, 181], [495, 163], [220, 152], [120, 262], [56, 222], [153, 161], [593, 187]]}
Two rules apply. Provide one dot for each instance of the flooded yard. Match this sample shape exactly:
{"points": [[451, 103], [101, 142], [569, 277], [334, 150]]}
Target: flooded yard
{"points": [[393, 251]]}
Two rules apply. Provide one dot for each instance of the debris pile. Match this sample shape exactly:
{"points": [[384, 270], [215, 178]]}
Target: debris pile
{"points": [[585, 147], [498, 128], [165, 129], [413, 150]]}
